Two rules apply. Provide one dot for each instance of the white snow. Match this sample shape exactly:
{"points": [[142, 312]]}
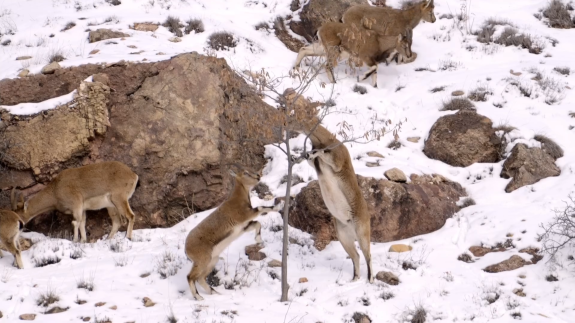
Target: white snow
{"points": [[450, 290]]}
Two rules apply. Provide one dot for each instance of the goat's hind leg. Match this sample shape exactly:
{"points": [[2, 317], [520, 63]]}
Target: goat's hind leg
{"points": [[346, 237], [363, 235], [202, 280]]}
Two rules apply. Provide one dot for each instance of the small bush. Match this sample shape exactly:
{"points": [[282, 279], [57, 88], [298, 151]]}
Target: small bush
{"points": [[468, 201], [330, 103], [448, 65], [551, 278], [263, 25], [465, 257], [222, 40], [480, 94], [437, 89], [419, 315], [262, 189], [457, 104], [563, 70], [6, 42], [213, 279], [394, 145], [406, 265], [45, 261], [114, 2], [173, 24], [87, 284], [516, 315], [359, 89], [195, 25], [358, 317], [112, 19], [48, 298], [558, 15], [69, 26], [549, 146], [56, 56], [295, 179], [511, 37], [485, 33], [386, 296]]}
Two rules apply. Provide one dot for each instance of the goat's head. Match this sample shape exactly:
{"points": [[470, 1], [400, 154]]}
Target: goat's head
{"points": [[403, 46], [428, 7], [246, 177], [17, 201]]}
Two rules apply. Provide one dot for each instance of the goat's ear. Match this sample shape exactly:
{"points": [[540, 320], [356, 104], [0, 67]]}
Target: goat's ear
{"points": [[426, 4], [232, 173]]}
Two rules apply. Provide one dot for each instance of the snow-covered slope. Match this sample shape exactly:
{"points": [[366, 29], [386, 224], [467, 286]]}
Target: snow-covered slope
{"points": [[450, 290]]}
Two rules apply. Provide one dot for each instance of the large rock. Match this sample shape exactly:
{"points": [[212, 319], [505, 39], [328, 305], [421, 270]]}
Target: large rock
{"points": [[316, 12], [462, 139], [398, 210], [103, 34], [512, 263], [50, 68], [176, 123], [528, 166]]}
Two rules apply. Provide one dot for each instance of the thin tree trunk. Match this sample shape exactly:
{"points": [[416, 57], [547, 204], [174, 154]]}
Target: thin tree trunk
{"points": [[285, 243]]}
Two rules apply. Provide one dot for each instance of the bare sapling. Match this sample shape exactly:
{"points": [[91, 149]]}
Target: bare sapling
{"points": [[215, 233], [75, 190]]}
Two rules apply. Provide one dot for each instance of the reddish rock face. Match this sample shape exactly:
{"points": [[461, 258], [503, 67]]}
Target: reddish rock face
{"points": [[398, 210], [462, 139], [178, 124]]}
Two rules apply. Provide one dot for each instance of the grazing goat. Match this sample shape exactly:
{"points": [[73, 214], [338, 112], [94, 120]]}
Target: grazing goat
{"points": [[340, 41], [10, 224], [216, 232], [341, 193], [92, 187], [389, 21]]}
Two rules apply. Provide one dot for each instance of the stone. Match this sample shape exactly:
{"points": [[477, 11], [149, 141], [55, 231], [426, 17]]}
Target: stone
{"points": [[413, 139], [148, 129], [132, 46], [374, 154], [100, 304], [160, 53], [56, 310], [23, 58], [395, 175], [457, 93], [148, 302], [515, 262], [398, 210], [23, 73], [28, 317], [315, 12], [86, 319], [527, 166], [303, 280], [253, 252], [50, 68], [102, 78], [519, 292], [387, 277], [462, 139], [103, 34], [274, 263], [372, 164], [175, 39], [145, 26], [94, 51], [515, 73], [400, 248], [479, 251], [113, 307]]}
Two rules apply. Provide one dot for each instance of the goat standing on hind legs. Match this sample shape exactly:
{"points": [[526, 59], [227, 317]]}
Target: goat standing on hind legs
{"points": [[75, 190], [341, 193], [215, 233]]}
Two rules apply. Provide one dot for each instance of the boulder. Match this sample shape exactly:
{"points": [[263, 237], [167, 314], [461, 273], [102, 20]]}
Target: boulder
{"points": [[176, 123], [50, 68], [395, 175], [23, 73], [387, 277], [253, 252], [413, 139], [274, 263], [462, 139], [148, 302], [28, 317], [527, 166], [512, 263], [145, 26], [400, 248], [316, 12], [103, 34], [398, 210]]}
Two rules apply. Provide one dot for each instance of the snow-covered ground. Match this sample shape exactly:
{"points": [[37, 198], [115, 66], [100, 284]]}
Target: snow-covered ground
{"points": [[450, 290]]}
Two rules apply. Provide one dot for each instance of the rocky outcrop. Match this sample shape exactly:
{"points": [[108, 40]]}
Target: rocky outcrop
{"points": [[176, 123], [398, 210], [462, 139], [103, 34], [527, 166], [316, 12]]}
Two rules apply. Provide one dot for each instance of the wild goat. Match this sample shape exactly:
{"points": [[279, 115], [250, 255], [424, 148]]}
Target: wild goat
{"points": [[389, 21], [216, 232], [341, 193], [340, 41], [91, 187], [10, 224]]}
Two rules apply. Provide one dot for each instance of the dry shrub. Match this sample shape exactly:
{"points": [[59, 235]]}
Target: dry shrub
{"points": [[465, 257], [457, 104], [222, 40], [359, 89], [69, 26], [468, 201], [558, 15], [263, 25], [564, 70], [485, 33], [195, 25], [438, 89], [549, 146], [511, 37], [173, 24], [480, 94]]}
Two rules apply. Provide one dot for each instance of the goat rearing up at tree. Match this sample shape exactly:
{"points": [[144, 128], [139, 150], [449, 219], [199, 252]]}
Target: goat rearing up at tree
{"points": [[216, 232]]}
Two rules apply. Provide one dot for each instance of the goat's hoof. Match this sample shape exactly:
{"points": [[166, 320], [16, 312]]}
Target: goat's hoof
{"points": [[199, 298], [375, 86], [356, 278]]}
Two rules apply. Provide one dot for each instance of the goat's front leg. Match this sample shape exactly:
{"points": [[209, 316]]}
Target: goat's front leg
{"points": [[255, 225]]}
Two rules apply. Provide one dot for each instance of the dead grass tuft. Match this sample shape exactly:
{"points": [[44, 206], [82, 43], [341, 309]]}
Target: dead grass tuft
{"points": [[549, 146], [222, 40], [558, 15], [173, 24], [195, 25], [457, 104], [564, 70], [69, 26]]}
